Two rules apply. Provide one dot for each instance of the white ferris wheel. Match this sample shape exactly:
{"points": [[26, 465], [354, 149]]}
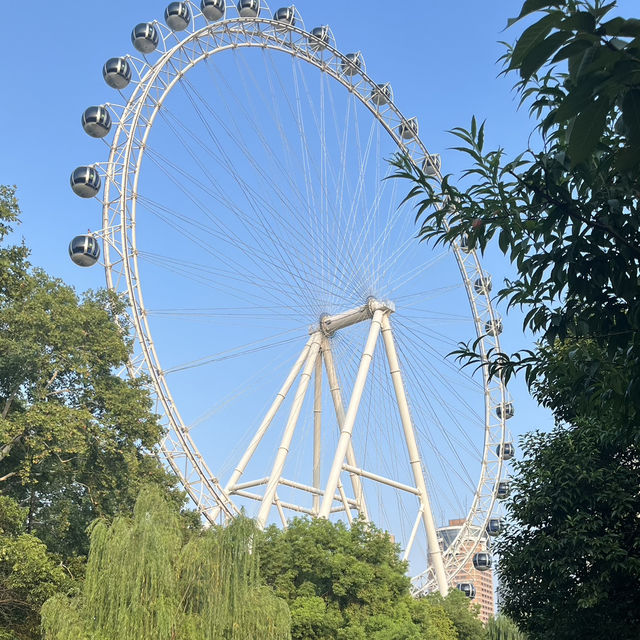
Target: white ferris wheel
{"points": [[293, 329]]}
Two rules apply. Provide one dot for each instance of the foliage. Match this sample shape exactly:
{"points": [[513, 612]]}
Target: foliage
{"points": [[144, 583], [75, 438], [567, 216], [572, 565], [349, 584], [29, 574], [503, 628]]}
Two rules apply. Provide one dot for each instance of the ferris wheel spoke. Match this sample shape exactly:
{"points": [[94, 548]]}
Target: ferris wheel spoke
{"points": [[248, 196]]}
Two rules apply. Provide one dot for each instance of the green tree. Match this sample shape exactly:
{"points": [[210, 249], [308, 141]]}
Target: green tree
{"points": [[29, 574], [503, 628], [348, 583], [144, 581], [567, 216], [75, 438]]}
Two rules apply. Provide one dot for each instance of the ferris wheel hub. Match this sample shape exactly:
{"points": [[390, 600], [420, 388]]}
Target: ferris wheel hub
{"points": [[329, 324]]}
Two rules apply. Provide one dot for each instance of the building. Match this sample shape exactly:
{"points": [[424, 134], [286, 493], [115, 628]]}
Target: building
{"points": [[481, 580]]}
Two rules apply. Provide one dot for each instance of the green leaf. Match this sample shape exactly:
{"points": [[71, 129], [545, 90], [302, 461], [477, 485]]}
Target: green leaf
{"points": [[529, 7], [627, 158], [580, 21], [572, 49], [631, 113], [531, 36], [540, 53], [587, 130], [630, 28]]}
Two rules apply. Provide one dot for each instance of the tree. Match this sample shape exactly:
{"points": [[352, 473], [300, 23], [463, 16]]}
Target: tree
{"points": [[566, 214], [503, 628], [349, 583], [145, 581], [29, 574], [76, 440]]}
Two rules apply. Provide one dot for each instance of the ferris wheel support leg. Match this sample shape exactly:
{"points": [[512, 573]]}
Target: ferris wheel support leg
{"points": [[317, 432], [412, 537], [283, 450], [336, 394], [352, 412], [266, 423], [435, 554]]}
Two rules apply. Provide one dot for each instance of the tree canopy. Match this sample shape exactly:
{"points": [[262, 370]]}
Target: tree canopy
{"points": [[76, 439], [349, 583], [145, 581]]}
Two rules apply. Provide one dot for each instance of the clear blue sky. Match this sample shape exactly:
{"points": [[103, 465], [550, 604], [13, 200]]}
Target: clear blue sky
{"points": [[441, 58]]}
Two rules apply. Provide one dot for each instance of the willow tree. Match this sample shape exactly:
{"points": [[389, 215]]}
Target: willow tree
{"points": [[144, 583]]}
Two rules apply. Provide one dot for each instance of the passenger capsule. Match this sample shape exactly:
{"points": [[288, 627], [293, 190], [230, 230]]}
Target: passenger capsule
{"points": [[177, 16], [494, 527], [117, 72], [467, 588], [408, 129], [482, 561], [248, 8], [464, 243], [96, 122], [319, 38], [483, 284], [506, 451], [84, 250], [381, 94], [212, 9], [85, 182], [286, 16], [493, 327], [352, 65], [508, 412], [504, 489], [145, 37], [432, 164]]}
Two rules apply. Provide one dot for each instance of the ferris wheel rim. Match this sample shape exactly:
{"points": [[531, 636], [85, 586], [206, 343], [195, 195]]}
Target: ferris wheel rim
{"points": [[133, 281]]}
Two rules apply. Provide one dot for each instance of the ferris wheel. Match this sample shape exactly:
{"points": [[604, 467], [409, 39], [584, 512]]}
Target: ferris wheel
{"points": [[293, 330]]}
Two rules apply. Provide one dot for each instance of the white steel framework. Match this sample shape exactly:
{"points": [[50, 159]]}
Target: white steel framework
{"points": [[146, 103]]}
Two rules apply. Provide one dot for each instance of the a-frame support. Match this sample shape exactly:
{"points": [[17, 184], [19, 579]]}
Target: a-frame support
{"points": [[316, 351]]}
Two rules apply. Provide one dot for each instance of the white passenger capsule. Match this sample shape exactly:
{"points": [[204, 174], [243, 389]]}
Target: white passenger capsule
{"points": [[408, 129], [96, 122], [508, 412], [84, 250], [482, 561], [506, 451], [493, 327], [432, 164], [319, 38], [381, 94], [212, 10], [483, 284], [85, 182], [177, 16], [248, 8], [145, 37], [117, 72], [286, 16], [352, 65]]}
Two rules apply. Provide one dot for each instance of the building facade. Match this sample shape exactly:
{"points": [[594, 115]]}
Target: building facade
{"points": [[481, 580]]}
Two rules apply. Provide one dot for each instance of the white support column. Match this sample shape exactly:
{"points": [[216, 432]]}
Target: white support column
{"points": [[435, 554], [281, 456], [336, 395], [266, 423], [412, 537], [352, 411], [317, 431]]}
